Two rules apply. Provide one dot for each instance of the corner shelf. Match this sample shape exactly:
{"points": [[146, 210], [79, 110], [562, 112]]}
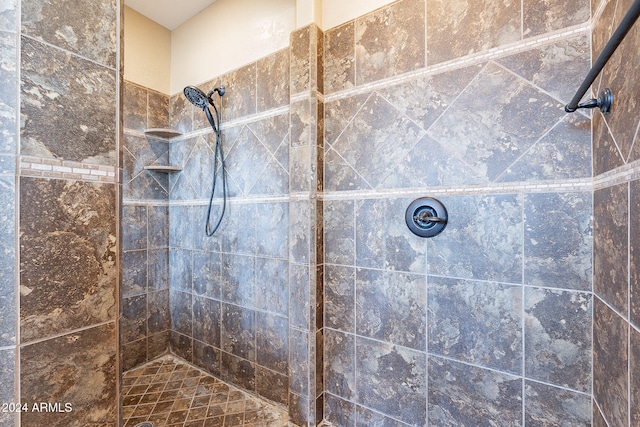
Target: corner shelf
{"points": [[163, 132], [163, 169]]}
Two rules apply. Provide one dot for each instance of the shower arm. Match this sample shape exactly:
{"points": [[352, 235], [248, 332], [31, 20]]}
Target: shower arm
{"points": [[604, 101]]}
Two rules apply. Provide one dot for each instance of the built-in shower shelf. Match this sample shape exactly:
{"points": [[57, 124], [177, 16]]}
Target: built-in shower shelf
{"points": [[163, 169], [163, 132]]}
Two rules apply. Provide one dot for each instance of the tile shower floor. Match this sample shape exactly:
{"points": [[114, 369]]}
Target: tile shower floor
{"points": [[170, 393]]}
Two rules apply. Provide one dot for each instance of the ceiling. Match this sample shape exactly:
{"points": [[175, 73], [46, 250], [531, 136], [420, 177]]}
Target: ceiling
{"points": [[168, 13]]}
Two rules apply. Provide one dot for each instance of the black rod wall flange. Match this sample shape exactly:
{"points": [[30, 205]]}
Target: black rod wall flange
{"points": [[625, 26], [603, 102]]}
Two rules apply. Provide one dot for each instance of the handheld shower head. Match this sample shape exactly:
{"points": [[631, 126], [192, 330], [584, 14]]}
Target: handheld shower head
{"points": [[196, 97]]}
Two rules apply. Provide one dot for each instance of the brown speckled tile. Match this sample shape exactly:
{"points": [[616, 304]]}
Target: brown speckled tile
{"points": [[170, 392], [85, 27], [68, 256], [77, 95], [79, 369]]}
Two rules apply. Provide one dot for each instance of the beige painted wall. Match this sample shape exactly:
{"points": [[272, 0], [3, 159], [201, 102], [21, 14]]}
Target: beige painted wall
{"points": [[147, 52], [336, 12], [227, 35]]}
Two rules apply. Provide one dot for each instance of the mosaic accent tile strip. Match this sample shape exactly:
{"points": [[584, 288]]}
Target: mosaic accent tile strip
{"points": [[64, 169], [170, 393]]}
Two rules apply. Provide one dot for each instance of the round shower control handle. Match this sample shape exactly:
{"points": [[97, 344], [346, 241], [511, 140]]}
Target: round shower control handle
{"points": [[426, 217]]}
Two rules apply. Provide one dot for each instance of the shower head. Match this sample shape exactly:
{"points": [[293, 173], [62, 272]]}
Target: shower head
{"points": [[199, 98], [196, 97]]}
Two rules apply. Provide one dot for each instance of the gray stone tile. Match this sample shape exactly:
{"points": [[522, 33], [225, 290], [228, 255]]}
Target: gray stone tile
{"points": [[339, 411], [134, 227], [340, 364], [472, 28], [339, 298], [207, 274], [401, 395], [134, 273], [384, 50], [299, 362], [7, 262], [606, 155], [207, 357], [272, 385], [181, 310], [272, 81], [339, 232], [505, 115], [272, 285], [483, 239], [553, 67], [8, 98], [391, 307], [340, 57], [563, 153], [8, 15], [181, 269], [383, 239], [558, 337], [558, 240], [206, 320], [390, 137], [238, 279], [476, 322], [546, 406], [238, 371], [134, 107], [617, 75], [543, 16], [240, 97], [467, 395], [158, 269], [272, 342], [7, 381], [299, 297], [134, 318], [238, 331], [134, 354], [159, 313], [157, 110], [368, 418]]}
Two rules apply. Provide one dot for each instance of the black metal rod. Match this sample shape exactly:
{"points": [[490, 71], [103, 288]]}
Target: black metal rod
{"points": [[625, 26]]}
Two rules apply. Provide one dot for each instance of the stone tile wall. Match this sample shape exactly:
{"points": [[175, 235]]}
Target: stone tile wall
{"points": [[462, 102], [240, 300], [9, 113], [58, 179], [144, 330], [616, 349]]}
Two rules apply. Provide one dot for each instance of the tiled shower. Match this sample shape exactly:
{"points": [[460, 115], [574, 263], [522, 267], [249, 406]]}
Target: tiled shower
{"points": [[314, 294]]}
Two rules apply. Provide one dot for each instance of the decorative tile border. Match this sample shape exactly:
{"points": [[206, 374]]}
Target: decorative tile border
{"points": [[627, 173], [497, 188], [63, 169]]}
